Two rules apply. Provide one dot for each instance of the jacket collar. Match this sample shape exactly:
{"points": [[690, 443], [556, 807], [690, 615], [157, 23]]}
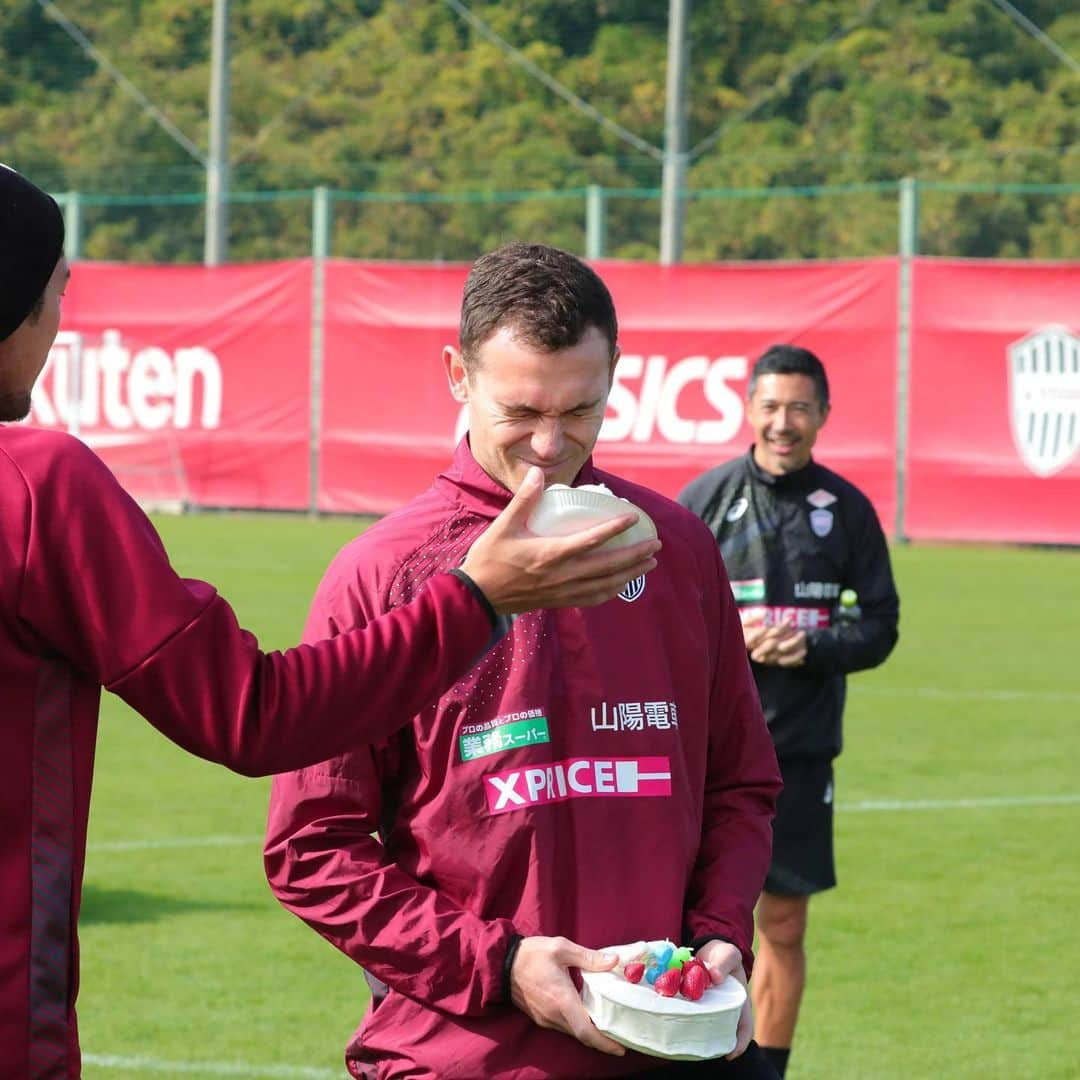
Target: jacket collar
{"points": [[800, 480], [466, 483]]}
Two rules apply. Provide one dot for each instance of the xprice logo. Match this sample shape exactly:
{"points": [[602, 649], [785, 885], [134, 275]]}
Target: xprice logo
{"points": [[577, 778]]}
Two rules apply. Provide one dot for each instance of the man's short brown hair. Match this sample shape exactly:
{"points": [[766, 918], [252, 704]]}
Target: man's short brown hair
{"points": [[548, 297]]}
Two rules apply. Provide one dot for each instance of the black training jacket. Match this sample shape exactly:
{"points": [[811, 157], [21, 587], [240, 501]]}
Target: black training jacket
{"points": [[791, 544]]}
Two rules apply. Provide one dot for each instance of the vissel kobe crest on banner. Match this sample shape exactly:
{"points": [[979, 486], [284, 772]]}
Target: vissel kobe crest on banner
{"points": [[1044, 398]]}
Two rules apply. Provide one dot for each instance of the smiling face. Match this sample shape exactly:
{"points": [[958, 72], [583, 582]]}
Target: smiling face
{"points": [[23, 353], [786, 416], [529, 407]]}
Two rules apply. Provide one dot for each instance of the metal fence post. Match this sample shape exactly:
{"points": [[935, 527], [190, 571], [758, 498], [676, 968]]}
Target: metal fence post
{"points": [[320, 251], [71, 203], [595, 222], [908, 248]]}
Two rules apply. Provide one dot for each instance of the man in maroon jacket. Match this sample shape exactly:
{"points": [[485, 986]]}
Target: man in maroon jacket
{"points": [[88, 599], [602, 776]]}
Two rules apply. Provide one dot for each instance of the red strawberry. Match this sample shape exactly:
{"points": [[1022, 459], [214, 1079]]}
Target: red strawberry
{"points": [[668, 983], [633, 971], [695, 981], [695, 962]]}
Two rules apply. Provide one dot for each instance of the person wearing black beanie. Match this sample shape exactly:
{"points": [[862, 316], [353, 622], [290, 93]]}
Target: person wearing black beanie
{"points": [[33, 274], [88, 599]]}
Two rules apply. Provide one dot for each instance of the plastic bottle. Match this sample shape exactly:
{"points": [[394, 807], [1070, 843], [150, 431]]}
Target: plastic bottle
{"points": [[848, 610]]}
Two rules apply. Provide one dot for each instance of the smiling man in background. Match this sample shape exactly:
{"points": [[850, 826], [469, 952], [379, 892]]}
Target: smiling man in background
{"points": [[797, 540]]}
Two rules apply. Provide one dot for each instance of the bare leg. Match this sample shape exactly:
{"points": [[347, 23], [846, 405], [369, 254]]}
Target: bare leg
{"points": [[779, 967]]}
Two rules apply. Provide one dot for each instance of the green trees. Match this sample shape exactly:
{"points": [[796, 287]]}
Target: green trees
{"points": [[381, 96]]}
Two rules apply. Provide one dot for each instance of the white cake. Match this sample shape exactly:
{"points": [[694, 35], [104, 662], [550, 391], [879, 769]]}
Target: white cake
{"points": [[668, 1027], [562, 510]]}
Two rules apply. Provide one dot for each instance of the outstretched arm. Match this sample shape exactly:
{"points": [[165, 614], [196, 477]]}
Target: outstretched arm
{"points": [[98, 590]]}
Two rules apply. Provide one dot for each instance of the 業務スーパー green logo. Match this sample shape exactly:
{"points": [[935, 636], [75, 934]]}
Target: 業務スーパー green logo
{"points": [[520, 733]]}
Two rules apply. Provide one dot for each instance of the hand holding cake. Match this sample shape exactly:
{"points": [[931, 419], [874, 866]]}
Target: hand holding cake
{"points": [[660, 999], [724, 960], [542, 989]]}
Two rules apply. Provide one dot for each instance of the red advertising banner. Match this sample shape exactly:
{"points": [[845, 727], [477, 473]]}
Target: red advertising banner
{"points": [[688, 337], [193, 383], [994, 431], [388, 420]]}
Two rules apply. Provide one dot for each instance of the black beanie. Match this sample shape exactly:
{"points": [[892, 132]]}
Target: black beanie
{"points": [[31, 242]]}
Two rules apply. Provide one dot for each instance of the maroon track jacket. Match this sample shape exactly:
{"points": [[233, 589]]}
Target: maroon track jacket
{"points": [[88, 598], [603, 774]]}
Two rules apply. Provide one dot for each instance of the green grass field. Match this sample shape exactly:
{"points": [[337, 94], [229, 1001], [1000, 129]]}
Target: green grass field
{"points": [[947, 951]]}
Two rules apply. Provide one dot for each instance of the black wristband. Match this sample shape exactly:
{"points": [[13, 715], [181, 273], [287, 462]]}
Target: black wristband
{"points": [[508, 963], [479, 594], [706, 938]]}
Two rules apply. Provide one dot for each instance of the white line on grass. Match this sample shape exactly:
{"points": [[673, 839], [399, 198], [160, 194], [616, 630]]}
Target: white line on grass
{"points": [[943, 694], [861, 806], [175, 842], [210, 1068], [868, 805]]}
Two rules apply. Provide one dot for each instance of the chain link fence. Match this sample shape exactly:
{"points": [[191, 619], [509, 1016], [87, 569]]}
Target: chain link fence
{"points": [[1028, 221]]}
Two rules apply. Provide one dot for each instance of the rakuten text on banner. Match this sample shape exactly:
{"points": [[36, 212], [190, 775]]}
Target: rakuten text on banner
{"points": [[193, 383], [994, 434], [688, 335]]}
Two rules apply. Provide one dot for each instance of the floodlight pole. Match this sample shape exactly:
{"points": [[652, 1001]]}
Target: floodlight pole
{"points": [[672, 202], [216, 242]]}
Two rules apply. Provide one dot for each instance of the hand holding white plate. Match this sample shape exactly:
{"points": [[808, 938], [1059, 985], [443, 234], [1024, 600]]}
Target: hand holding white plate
{"points": [[563, 510]]}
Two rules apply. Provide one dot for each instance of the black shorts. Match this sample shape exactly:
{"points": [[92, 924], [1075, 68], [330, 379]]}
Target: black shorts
{"points": [[802, 859]]}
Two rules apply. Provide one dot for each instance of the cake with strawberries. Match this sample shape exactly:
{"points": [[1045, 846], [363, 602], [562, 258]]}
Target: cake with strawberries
{"points": [[660, 999]]}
